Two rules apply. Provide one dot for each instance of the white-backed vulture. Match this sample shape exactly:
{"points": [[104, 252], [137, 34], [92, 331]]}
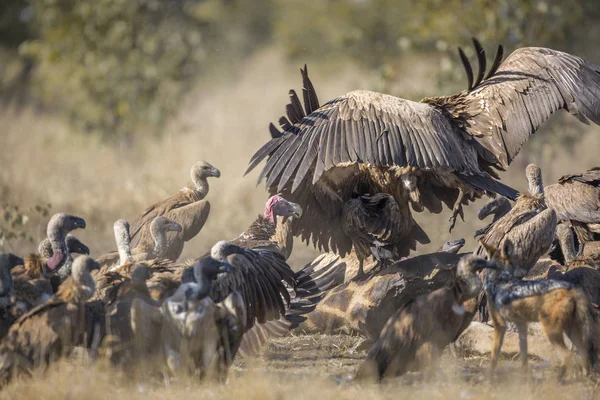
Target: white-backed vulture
{"points": [[529, 225], [439, 150], [451, 246], [187, 207], [191, 331], [576, 198], [52, 329], [159, 229], [416, 334]]}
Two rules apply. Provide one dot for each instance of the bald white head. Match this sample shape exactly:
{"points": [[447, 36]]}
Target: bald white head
{"points": [[199, 172], [80, 273]]}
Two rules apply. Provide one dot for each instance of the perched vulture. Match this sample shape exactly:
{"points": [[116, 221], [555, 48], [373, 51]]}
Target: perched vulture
{"points": [[52, 329], [451, 246], [576, 198], [529, 225], [191, 330], [159, 229], [187, 207], [440, 150]]}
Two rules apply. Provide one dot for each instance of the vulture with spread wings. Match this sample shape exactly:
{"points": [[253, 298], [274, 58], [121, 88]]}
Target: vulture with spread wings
{"points": [[442, 150]]}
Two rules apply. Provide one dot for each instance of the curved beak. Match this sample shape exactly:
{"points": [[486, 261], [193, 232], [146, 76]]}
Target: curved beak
{"points": [[174, 227], [297, 210], [80, 248], [79, 222], [94, 265], [486, 210], [225, 267], [215, 172]]}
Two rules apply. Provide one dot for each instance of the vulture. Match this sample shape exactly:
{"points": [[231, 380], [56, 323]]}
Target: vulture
{"points": [[576, 198], [451, 246], [191, 330], [374, 150], [52, 329], [187, 207], [529, 225], [159, 229], [60, 259]]}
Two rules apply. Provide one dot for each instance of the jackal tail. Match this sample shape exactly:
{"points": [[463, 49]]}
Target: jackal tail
{"points": [[585, 321]]}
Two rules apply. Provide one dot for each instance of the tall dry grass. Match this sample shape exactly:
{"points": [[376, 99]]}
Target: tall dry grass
{"points": [[224, 120]]}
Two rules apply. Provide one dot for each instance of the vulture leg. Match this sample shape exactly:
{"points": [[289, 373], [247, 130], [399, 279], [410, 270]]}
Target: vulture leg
{"points": [[361, 272], [457, 210]]}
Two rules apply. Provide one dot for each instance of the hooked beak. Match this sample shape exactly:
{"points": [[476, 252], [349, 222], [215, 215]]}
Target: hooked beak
{"points": [[485, 211], [81, 249], [297, 210], [79, 222], [215, 172], [174, 227]]}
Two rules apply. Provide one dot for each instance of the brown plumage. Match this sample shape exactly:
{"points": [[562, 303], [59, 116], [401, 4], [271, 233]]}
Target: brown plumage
{"points": [[158, 249], [187, 207], [190, 331], [530, 225], [576, 198], [11, 308], [52, 329], [416, 335], [440, 150]]}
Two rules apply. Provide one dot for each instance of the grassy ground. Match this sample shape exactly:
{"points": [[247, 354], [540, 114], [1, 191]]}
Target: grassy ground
{"points": [[308, 367]]}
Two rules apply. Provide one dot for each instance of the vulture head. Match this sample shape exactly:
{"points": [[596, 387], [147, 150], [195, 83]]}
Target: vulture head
{"points": [[202, 170], [58, 227], [62, 223], [207, 269], [81, 273], [141, 273], [534, 178], [74, 245], [161, 225], [7, 262], [466, 272], [221, 250], [452, 246], [122, 238], [277, 205], [496, 207]]}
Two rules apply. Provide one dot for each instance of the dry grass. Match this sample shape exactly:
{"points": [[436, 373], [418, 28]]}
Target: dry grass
{"points": [[303, 367]]}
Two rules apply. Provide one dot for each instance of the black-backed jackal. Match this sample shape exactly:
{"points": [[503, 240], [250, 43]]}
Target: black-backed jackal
{"points": [[558, 305]]}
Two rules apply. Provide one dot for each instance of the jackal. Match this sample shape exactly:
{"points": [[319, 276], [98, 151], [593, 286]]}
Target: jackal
{"points": [[558, 305]]}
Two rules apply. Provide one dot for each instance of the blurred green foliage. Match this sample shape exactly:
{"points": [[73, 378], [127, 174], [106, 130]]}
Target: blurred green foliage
{"points": [[14, 223], [119, 66]]}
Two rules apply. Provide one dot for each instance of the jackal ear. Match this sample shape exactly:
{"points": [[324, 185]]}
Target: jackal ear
{"points": [[490, 250], [508, 249]]}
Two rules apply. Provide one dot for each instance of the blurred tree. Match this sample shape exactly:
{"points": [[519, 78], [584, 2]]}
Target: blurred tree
{"points": [[119, 66]]}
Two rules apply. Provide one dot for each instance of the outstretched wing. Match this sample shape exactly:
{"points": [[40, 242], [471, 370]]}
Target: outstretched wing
{"points": [[259, 276], [531, 84]]}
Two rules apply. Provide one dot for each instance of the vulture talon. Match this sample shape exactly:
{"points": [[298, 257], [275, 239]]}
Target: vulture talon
{"points": [[457, 210]]}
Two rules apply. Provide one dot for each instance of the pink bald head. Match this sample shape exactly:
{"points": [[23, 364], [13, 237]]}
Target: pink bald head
{"points": [[277, 205]]}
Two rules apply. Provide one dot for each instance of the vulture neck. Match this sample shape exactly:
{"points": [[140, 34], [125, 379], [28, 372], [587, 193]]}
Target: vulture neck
{"points": [[86, 284], [200, 185], [284, 237], [567, 244], [204, 285], [270, 215], [60, 252], [160, 242]]}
